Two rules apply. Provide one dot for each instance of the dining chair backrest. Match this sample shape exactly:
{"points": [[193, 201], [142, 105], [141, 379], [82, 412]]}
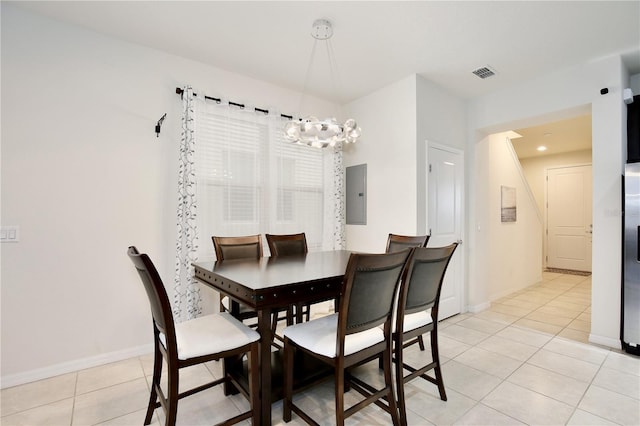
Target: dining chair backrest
{"points": [[368, 290], [420, 291], [397, 242], [287, 244], [229, 248], [157, 295], [423, 278]]}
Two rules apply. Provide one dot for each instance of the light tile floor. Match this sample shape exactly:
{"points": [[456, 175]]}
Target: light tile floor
{"points": [[523, 361]]}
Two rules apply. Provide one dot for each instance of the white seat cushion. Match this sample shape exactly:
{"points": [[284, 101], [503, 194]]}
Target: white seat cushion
{"points": [[413, 321], [211, 334], [319, 336]]}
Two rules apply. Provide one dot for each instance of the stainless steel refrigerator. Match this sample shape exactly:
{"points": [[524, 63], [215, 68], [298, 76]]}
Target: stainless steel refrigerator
{"points": [[630, 324]]}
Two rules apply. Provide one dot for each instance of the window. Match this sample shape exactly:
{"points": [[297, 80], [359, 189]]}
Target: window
{"points": [[250, 180]]}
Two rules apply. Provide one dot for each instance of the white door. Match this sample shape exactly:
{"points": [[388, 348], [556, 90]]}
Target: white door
{"points": [[445, 176], [569, 218]]}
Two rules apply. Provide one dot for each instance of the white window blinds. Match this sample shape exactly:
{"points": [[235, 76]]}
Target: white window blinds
{"points": [[251, 181]]}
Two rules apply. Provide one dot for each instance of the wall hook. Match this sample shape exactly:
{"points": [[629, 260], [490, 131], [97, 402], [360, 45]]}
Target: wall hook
{"points": [[159, 124]]}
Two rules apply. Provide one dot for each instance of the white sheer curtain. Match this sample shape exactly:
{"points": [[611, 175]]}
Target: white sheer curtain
{"points": [[249, 180], [335, 192], [186, 291]]}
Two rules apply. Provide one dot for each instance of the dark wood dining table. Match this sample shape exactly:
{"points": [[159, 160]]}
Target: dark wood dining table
{"points": [[269, 284]]}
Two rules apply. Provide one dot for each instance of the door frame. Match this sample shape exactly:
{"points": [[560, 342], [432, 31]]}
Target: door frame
{"points": [[545, 239], [461, 250]]}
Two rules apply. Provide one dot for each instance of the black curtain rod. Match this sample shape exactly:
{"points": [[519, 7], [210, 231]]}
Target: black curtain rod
{"points": [[179, 91]]}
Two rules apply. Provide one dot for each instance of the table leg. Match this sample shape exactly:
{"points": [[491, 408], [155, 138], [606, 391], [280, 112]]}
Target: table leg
{"points": [[233, 364], [264, 329]]}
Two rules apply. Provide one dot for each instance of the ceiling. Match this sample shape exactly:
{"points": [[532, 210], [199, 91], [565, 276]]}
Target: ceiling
{"points": [[378, 42], [558, 137], [375, 42]]}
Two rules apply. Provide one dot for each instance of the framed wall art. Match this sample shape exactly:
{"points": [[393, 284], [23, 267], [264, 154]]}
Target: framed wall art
{"points": [[507, 204]]}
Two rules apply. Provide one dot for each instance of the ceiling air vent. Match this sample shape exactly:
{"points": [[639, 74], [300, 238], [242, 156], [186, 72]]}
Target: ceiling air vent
{"points": [[484, 72]]}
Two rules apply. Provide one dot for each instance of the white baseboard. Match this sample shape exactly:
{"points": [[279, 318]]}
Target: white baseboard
{"points": [[71, 366], [478, 308], [605, 341]]}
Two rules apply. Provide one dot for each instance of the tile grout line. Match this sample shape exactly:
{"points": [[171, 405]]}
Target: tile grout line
{"points": [[557, 335], [502, 380], [73, 403], [525, 362], [589, 387]]}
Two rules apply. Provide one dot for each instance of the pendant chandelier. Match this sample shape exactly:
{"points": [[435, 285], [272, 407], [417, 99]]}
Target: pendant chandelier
{"points": [[310, 130]]}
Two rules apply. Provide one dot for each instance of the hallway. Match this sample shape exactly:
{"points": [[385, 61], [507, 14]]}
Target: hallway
{"points": [[558, 305]]}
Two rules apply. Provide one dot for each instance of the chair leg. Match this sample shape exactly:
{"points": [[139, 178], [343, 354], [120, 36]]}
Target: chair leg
{"points": [[339, 394], [308, 312], [399, 370], [173, 380], [290, 316], [421, 342], [254, 384], [393, 406], [287, 381], [155, 381], [435, 355], [297, 313]]}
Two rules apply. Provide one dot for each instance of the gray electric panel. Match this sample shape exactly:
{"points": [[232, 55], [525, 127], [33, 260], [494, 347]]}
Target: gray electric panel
{"points": [[356, 194]]}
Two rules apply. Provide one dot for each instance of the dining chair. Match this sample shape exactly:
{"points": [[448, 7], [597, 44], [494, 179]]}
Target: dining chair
{"points": [[397, 242], [192, 342], [288, 245], [245, 247], [416, 314], [230, 248], [351, 336]]}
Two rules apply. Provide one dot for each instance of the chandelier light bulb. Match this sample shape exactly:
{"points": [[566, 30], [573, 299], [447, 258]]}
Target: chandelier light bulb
{"points": [[321, 133], [327, 132]]}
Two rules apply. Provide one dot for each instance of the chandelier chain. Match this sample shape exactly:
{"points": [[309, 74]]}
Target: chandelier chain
{"points": [[310, 130]]}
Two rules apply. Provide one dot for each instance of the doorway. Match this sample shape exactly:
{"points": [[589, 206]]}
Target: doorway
{"points": [[568, 149], [560, 179]]}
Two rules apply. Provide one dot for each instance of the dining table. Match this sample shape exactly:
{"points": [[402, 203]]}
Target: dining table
{"points": [[271, 284]]}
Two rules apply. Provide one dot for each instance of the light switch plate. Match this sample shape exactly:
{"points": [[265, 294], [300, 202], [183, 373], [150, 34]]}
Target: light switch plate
{"points": [[10, 234]]}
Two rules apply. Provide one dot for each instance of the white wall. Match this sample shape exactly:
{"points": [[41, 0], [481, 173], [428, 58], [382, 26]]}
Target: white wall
{"points": [[84, 176], [505, 257], [515, 259], [397, 120], [554, 96], [634, 84], [535, 170], [388, 120], [441, 118]]}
